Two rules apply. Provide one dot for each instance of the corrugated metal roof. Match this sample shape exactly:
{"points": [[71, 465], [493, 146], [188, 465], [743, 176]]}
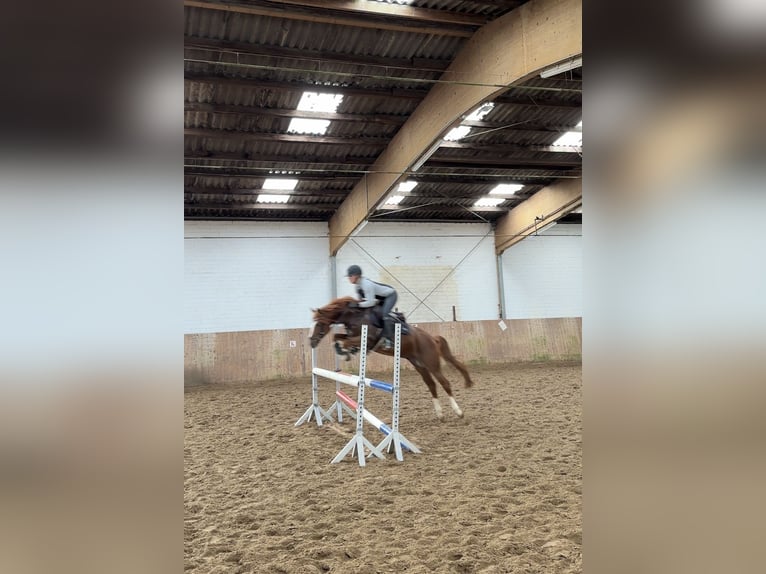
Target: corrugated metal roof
{"points": [[244, 78]]}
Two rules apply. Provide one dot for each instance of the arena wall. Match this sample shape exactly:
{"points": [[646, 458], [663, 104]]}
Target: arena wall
{"points": [[244, 276], [249, 290], [270, 354], [542, 275]]}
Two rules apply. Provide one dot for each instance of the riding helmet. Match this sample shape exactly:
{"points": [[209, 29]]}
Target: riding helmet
{"points": [[354, 270]]}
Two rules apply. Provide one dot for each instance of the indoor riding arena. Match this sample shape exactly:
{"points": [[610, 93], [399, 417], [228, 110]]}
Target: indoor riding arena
{"points": [[420, 156], [497, 491]]}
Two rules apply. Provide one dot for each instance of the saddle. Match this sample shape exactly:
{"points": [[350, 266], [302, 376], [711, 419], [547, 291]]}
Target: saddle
{"points": [[377, 319]]}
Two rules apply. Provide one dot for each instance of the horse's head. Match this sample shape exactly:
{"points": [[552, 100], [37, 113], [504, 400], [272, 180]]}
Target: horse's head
{"points": [[325, 317], [322, 326]]}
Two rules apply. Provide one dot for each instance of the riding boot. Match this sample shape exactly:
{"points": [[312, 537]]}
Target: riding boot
{"points": [[388, 334]]}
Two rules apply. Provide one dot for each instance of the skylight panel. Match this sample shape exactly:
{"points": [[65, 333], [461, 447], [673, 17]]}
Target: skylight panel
{"points": [[280, 184], [407, 186], [569, 139], [489, 201], [506, 188], [316, 102], [270, 198], [457, 133], [394, 200], [479, 113], [307, 126]]}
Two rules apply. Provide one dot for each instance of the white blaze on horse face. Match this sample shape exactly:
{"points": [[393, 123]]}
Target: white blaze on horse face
{"points": [[315, 332]]}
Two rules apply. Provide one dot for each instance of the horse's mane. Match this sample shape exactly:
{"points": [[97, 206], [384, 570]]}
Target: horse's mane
{"points": [[335, 307]]}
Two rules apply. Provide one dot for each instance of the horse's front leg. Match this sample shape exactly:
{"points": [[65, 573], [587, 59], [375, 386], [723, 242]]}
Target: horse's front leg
{"points": [[340, 349]]}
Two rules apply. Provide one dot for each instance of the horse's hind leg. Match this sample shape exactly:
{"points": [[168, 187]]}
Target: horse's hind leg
{"points": [[444, 382], [429, 381], [434, 367]]}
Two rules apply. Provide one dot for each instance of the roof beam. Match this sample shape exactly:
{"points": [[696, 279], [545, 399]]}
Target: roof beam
{"points": [[246, 111], [282, 161], [265, 206], [495, 162], [496, 148], [409, 93], [216, 45], [544, 207], [360, 14], [291, 138], [251, 193], [503, 148], [387, 119], [364, 9], [255, 83], [508, 50]]}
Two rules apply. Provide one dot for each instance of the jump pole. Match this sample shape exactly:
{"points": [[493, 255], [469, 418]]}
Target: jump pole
{"points": [[370, 418], [353, 380], [358, 442], [314, 409]]}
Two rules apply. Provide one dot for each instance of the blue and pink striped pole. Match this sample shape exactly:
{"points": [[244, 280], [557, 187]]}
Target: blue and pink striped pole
{"points": [[368, 416]]}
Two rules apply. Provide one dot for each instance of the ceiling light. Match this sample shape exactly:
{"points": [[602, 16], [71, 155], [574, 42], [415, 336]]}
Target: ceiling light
{"points": [[267, 198], [506, 188], [407, 186], [489, 201], [457, 133], [281, 184], [394, 200], [479, 113], [306, 126], [562, 67], [316, 102], [570, 139]]}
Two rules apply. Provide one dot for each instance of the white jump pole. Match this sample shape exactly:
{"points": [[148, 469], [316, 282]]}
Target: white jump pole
{"points": [[394, 437], [358, 442], [353, 380], [314, 409]]}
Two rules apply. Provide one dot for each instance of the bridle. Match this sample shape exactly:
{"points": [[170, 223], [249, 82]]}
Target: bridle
{"points": [[323, 330]]}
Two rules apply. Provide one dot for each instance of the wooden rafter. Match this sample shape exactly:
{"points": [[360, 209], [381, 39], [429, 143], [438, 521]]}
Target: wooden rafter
{"points": [[374, 15]]}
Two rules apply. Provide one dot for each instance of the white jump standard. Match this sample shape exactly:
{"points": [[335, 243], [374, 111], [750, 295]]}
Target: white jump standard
{"points": [[358, 441], [314, 409], [393, 437]]}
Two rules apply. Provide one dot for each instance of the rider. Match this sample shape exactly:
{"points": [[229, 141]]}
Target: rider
{"points": [[372, 293]]}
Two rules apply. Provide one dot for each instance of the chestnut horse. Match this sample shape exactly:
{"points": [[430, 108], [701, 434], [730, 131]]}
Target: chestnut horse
{"points": [[420, 348]]}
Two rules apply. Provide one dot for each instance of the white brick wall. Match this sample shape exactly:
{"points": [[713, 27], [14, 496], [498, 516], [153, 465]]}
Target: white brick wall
{"points": [[243, 276], [542, 275], [442, 265]]}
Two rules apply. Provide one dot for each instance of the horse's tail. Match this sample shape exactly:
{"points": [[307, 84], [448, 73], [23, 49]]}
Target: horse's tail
{"points": [[445, 352]]}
